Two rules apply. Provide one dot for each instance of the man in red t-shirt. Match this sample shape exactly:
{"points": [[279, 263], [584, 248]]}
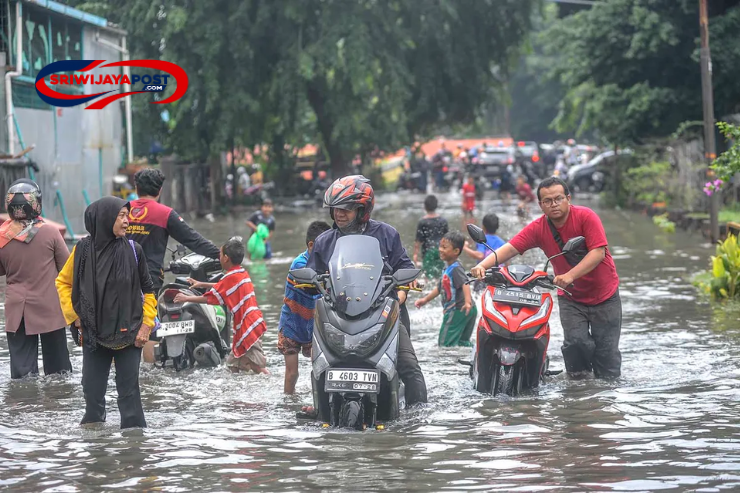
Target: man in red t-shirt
{"points": [[592, 316]]}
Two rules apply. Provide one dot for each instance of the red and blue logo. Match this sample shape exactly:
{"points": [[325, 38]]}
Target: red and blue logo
{"points": [[151, 83]]}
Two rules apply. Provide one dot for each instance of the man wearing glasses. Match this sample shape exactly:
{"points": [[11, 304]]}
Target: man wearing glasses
{"points": [[592, 316]]}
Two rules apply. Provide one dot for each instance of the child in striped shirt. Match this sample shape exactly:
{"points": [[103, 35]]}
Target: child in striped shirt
{"points": [[236, 292], [296, 317]]}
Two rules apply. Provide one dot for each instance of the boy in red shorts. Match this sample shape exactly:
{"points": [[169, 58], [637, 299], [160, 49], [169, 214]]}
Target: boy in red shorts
{"points": [[235, 290], [296, 316]]}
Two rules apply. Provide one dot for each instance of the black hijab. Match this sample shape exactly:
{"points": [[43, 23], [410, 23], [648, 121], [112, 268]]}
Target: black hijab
{"points": [[106, 292]]}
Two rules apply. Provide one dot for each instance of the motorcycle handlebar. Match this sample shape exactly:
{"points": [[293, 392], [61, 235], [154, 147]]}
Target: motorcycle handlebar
{"points": [[549, 284]]}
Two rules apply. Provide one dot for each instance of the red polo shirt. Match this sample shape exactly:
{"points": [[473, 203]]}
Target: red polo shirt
{"points": [[595, 287]]}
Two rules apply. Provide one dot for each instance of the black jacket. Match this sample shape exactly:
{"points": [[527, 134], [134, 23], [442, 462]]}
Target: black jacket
{"points": [[151, 224]]}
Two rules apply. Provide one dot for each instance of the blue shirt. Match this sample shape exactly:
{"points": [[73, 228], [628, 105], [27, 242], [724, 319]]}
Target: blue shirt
{"points": [[296, 316], [450, 287], [494, 242]]}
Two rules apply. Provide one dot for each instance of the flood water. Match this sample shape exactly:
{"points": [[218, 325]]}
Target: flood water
{"points": [[670, 423]]}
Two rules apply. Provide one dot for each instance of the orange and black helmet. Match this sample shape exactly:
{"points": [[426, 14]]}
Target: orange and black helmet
{"points": [[351, 192]]}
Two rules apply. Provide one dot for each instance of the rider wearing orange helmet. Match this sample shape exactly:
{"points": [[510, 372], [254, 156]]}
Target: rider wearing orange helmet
{"points": [[350, 201]]}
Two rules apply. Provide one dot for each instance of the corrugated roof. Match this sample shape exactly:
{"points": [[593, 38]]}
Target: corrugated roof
{"points": [[68, 11]]}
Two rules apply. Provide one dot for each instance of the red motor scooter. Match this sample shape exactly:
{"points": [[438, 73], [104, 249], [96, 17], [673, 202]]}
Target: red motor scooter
{"points": [[514, 330]]}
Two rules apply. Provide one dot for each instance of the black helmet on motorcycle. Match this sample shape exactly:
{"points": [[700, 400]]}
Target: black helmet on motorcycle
{"points": [[351, 192], [23, 200]]}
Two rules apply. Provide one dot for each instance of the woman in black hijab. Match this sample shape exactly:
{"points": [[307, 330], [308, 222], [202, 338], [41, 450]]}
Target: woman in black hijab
{"points": [[106, 291]]}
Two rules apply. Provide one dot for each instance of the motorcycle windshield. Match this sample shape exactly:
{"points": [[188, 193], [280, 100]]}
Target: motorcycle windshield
{"points": [[356, 267]]}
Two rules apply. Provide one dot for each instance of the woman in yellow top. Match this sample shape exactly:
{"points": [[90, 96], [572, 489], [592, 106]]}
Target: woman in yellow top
{"points": [[106, 291]]}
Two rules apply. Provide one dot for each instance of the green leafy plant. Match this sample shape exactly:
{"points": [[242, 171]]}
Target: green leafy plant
{"points": [[664, 223], [723, 279], [728, 163], [648, 183]]}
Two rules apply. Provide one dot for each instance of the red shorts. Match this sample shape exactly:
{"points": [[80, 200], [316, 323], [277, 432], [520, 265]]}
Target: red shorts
{"points": [[288, 346]]}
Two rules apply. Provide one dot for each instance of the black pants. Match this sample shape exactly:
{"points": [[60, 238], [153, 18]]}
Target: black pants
{"points": [[95, 369], [592, 336], [408, 366], [24, 352]]}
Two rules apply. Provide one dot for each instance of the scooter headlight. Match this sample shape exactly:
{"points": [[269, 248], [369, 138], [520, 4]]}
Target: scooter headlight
{"points": [[490, 308], [361, 344], [541, 313]]}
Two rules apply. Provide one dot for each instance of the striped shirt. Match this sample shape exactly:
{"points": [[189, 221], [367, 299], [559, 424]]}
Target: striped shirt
{"points": [[296, 316], [236, 292]]}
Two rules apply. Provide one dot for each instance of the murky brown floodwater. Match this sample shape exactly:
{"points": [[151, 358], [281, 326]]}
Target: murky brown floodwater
{"points": [[671, 422]]}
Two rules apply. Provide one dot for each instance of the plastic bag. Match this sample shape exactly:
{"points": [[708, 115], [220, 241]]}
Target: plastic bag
{"points": [[256, 244]]}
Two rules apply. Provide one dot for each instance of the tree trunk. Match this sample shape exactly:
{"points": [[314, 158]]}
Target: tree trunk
{"points": [[333, 148], [280, 168], [617, 176]]}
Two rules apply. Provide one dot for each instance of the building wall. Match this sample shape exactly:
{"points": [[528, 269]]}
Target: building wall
{"points": [[76, 149]]}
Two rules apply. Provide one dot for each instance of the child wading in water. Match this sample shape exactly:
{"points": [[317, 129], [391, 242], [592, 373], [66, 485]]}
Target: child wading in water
{"points": [[459, 312], [264, 216], [468, 205], [296, 317], [490, 226], [235, 290], [429, 232]]}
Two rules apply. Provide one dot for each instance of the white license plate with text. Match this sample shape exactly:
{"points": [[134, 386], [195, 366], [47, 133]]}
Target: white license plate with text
{"points": [[340, 380], [176, 328]]}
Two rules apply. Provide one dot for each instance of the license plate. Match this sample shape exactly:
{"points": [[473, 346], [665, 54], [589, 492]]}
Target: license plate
{"points": [[341, 380], [175, 328], [514, 297]]}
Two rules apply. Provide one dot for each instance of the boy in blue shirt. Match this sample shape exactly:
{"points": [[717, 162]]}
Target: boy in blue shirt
{"points": [[296, 316], [490, 226], [459, 311]]}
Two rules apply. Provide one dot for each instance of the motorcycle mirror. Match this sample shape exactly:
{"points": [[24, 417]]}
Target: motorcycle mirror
{"points": [[304, 276], [574, 244], [477, 233], [405, 276]]}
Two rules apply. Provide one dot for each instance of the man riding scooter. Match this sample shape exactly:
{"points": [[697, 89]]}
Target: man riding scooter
{"points": [[351, 200], [152, 223]]}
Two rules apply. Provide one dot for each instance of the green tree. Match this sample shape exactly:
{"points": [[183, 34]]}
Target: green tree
{"points": [[361, 75], [727, 164], [631, 67]]}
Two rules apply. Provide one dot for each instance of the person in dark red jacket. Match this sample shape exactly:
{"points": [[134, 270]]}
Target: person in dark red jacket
{"points": [[592, 316], [151, 224]]}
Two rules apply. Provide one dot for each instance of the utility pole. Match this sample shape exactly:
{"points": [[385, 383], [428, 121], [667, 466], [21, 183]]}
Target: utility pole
{"points": [[710, 148]]}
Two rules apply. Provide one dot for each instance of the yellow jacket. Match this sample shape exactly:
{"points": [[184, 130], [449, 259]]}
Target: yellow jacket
{"points": [[64, 288]]}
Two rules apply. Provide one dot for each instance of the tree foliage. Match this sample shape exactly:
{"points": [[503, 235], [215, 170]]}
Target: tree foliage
{"points": [[727, 164], [356, 75], [632, 67]]}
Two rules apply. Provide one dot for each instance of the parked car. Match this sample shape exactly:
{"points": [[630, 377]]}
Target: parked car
{"points": [[593, 176], [531, 152], [492, 161]]}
